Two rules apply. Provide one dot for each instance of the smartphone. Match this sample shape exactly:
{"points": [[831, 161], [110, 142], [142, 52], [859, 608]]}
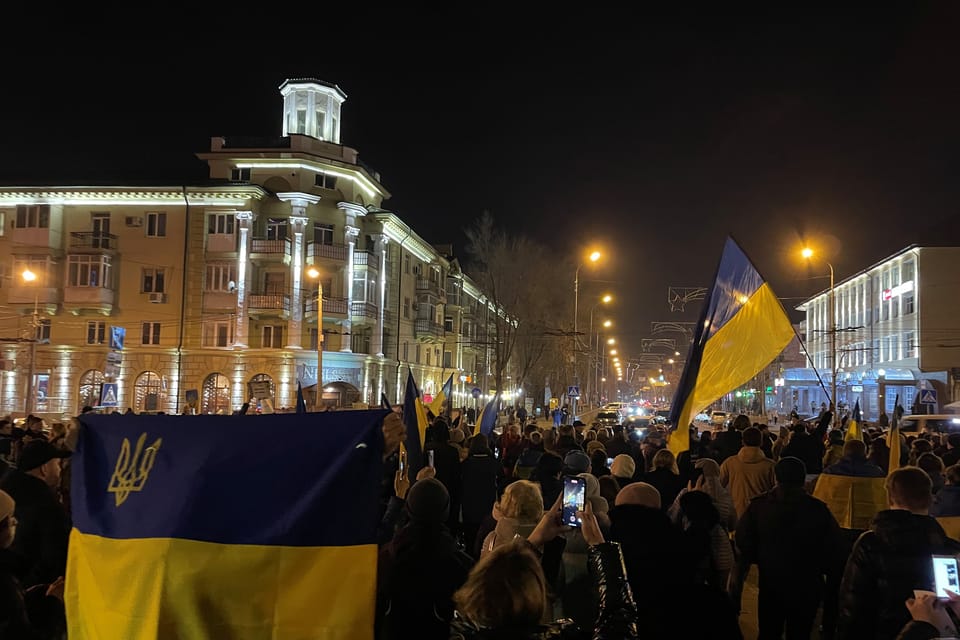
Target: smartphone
{"points": [[430, 458], [403, 461], [609, 462], [945, 575], [574, 492]]}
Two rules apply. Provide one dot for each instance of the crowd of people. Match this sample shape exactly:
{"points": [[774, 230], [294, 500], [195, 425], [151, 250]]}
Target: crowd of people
{"points": [[472, 545], [475, 548]]}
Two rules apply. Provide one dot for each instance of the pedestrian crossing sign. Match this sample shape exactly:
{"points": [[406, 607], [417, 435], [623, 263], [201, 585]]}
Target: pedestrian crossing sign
{"points": [[108, 395], [928, 396]]}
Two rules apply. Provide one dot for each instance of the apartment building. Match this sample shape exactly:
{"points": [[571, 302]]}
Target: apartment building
{"points": [[215, 289]]}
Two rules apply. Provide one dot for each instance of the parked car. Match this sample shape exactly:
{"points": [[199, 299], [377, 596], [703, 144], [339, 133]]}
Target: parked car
{"points": [[938, 423], [718, 418], [608, 418]]}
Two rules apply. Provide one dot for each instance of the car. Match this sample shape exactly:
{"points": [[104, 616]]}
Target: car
{"points": [[608, 418], [937, 423], [718, 418], [613, 406]]}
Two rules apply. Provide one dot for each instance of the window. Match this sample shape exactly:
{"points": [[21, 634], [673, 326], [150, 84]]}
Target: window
{"points": [[38, 265], [417, 354], [876, 350], [321, 117], [893, 347], [96, 332], [360, 286], [313, 338], [447, 359], [406, 351], [908, 303], [406, 263], [323, 233], [909, 345], [3, 222], [895, 306], [90, 383], [907, 270], [150, 333], [885, 310], [88, 271], [240, 175], [153, 281], [217, 334], [216, 394], [221, 224], [325, 182], [272, 337], [35, 216], [448, 324], [146, 392], [406, 308], [43, 331], [276, 228], [156, 224], [301, 120], [219, 277]]}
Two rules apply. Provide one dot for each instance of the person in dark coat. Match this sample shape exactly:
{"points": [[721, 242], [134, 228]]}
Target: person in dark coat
{"points": [[480, 475], [806, 447], [446, 461], [727, 443], [43, 529], [795, 542], [947, 501], [420, 569], [854, 462], [665, 477], [891, 560]]}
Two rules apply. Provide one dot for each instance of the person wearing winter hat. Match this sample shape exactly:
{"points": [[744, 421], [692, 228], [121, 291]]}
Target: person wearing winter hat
{"points": [[623, 469], [517, 513], [420, 568], [576, 462]]}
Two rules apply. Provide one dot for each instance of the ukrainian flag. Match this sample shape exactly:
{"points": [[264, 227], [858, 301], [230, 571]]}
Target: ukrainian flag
{"points": [[487, 419], [415, 419], [446, 391], [225, 527], [742, 328], [854, 431]]}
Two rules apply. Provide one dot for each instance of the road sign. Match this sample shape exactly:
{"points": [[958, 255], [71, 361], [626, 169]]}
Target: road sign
{"points": [[573, 392], [108, 395], [475, 392], [928, 396]]}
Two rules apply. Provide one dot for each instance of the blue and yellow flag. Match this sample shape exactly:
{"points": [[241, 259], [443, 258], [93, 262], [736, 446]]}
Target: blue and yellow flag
{"points": [[854, 430], [446, 392], [202, 527], [415, 419], [487, 419], [893, 442], [742, 328]]}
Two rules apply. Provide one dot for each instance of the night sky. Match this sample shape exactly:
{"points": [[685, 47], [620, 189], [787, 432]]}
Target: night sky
{"points": [[654, 145]]}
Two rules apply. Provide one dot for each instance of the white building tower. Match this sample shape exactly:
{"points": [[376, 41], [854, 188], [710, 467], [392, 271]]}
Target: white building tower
{"points": [[311, 107]]}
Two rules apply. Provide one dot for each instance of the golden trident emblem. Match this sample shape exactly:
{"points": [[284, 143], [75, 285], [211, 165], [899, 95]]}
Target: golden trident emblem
{"points": [[131, 472]]}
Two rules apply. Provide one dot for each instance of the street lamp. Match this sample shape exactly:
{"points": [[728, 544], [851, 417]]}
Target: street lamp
{"points": [[318, 400], [807, 254], [606, 299], [576, 308], [30, 276]]}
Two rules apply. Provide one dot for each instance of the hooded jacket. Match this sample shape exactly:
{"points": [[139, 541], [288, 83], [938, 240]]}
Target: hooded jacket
{"points": [[747, 475], [947, 502], [887, 563]]}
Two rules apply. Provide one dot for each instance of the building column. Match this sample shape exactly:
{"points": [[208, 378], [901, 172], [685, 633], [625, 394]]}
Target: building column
{"points": [[298, 221], [244, 224], [350, 234], [378, 334]]}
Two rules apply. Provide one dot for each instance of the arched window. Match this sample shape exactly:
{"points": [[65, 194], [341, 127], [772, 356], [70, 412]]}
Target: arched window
{"points": [[146, 392], [91, 383], [262, 377], [216, 394]]}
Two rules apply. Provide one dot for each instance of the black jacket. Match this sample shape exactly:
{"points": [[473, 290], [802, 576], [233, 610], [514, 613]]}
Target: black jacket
{"points": [[26, 616], [616, 616], [887, 563], [808, 449], [480, 472], [667, 483], [727, 443], [42, 529], [792, 537]]}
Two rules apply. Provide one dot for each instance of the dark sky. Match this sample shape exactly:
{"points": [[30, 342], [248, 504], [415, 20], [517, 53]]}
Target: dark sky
{"points": [[844, 129]]}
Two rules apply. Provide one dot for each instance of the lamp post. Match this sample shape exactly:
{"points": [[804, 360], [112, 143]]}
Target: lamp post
{"points": [[318, 400], [807, 253], [606, 299], [30, 276], [576, 308]]}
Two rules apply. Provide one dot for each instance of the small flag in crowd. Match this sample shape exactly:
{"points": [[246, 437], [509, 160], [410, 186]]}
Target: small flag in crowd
{"points": [[446, 392], [384, 403], [487, 419], [415, 419], [854, 430], [742, 328], [893, 441], [174, 515]]}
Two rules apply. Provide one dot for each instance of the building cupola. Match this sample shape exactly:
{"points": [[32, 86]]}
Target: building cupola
{"points": [[311, 107]]}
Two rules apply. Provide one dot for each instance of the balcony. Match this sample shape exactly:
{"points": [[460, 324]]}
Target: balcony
{"points": [[270, 304], [331, 306], [92, 242], [453, 297], [366, 259], [317, 251], [262, 248], [221, 243], [428, 330], [429, 286], [219, 300], [44, 297], [364, 310], [97, 299]]}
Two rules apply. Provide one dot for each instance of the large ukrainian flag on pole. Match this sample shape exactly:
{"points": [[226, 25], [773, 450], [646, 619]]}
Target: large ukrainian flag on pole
{"points": [[742, 328], [225, 527]]}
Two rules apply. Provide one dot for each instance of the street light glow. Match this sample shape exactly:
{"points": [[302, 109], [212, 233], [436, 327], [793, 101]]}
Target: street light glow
{"points": [[29, 276], [612, 341], [606, 299], [607, 323], [613, 352], [670, 361], [595, 256], [313, 272], [807, 253]]}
